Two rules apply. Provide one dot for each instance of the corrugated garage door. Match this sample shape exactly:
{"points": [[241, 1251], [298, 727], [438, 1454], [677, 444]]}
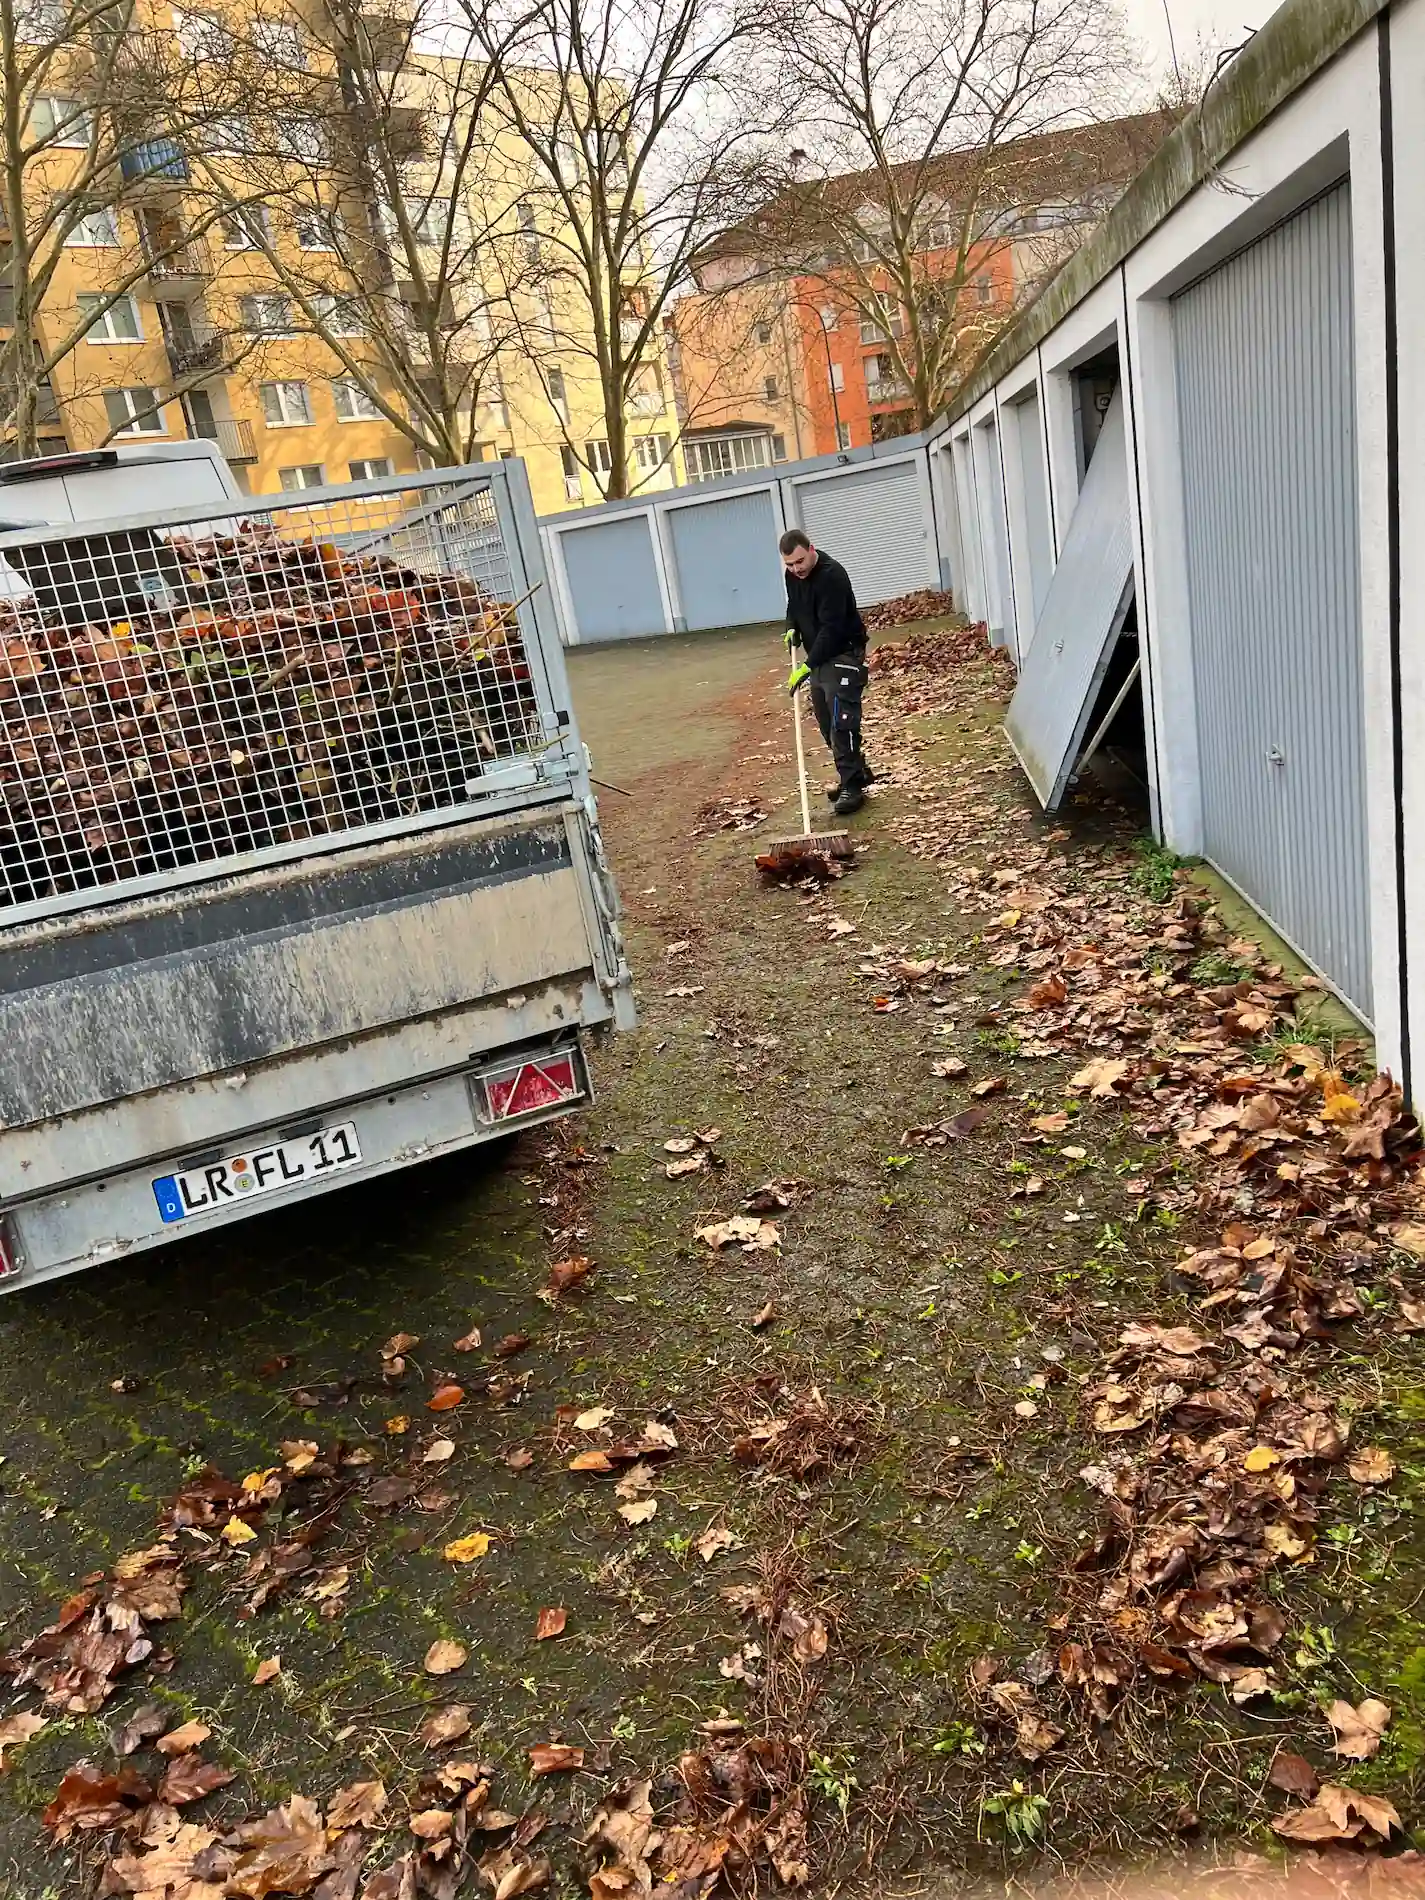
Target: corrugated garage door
{"points": [[729, 570], [1266, 398], [873, 521], [613, 578]]}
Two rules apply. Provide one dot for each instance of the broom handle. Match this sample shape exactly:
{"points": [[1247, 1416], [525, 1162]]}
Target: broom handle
{"points": [[801, 762]]}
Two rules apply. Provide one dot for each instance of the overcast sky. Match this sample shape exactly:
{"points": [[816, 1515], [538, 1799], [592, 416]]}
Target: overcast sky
{"points": [[1227, 21]]}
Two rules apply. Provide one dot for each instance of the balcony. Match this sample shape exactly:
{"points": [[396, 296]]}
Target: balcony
{"points": [[234, 439], [201, 351], [177, 268], [157, 163]]}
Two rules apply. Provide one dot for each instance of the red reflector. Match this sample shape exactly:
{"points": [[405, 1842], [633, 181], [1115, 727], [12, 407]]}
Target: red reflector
{"points": [[533, 1085], [7, 1259]]}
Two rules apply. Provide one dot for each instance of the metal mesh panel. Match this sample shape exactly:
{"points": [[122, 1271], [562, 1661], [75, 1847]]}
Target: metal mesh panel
{"points": [[202, 691]]}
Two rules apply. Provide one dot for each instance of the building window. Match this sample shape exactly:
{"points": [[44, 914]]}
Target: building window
{"points": [[428, 218], [829, 318], [60, 122], [337, 315], [838, 377], [769, 388], [316, 230], [529, 231], [596, 454], [134, 412], [280, 43], [708, 457], [885, 319], [96, 228], [763, 333], [200, 35], [266, 316], [305, 475], [246, 230], [118, 324], [984, 290], [554, 383], [302, 139], [573, 484], [41, 21], [882, 382], [352, 403], [843, 435], [230, 136], [371, 470], [286, 405], [779, 448], [651, 452]]}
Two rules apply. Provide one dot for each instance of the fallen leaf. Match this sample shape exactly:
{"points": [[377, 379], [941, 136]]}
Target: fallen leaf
{"points": [[949, 1066], [550, 1623], [15, 1731], [509, 1871], [444, 1657], [399, 1344], [470, 1342], [743, 1230], [88, 1798], [518, 1458], [235, 1532], [1358, 1730], [1261, 1458], [445, 1398], [594, 1419], [1054, 1124], [300, 1454], [1100, 1078], [179, 1740], [358, 1805], [266, 1670], [555, 1758], [438, 1451], [1339, 1105], [992, 1085], [1338, 1814], [715, 1539], [190, 1778], [566, 1274], [1026, 1408], [764, 1316], [142, 1726], [690, 1164], [1293, 1774], [445, 1725], [285, 1851], [397, 1425], [465, 1550], [511, 1344], [639, 1512], [1372, 1465], [432, 1824], [1048, 993]]}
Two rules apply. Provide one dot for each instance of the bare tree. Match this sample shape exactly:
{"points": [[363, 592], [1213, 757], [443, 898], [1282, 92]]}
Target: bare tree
{"points": [[634, 116], [89, 99], [932, 134]]}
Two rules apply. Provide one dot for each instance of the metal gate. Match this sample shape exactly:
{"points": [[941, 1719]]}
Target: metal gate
{"points": [[725, 551], [613, 574], [1029, 441], [873, 521], [1266, 401]]}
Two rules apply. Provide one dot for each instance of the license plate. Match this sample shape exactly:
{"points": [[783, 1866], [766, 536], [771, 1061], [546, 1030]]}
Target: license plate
{"points": [[257, 1171]]}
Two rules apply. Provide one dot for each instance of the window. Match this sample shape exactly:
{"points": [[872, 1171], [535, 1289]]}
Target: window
{"points": [[769, 388], [60, 122], [544, 310], [779, 448], [763, 333], [371, 469], [596, 454], [984, 290], [118, 324], [281, 43], [567, 160], [200, 35], [317, 230], [285, 405], [573, 483], [338, 316], [134, 412], [230, 136], [302, 139], [248, 229], [838, 377], [554, 383], [40, 21], [95, 228], [305, 475], [711, 456], [881, 380], [352, 403], [843, 435], [651, 452], [429, 219], [886, 319], [829, 319], [266, 316], [493, 391]]}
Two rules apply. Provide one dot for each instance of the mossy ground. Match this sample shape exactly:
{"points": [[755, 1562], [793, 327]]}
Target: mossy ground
{"points": [[920, 1295]]}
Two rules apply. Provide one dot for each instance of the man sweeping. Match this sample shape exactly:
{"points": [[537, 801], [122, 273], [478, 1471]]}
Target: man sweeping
{"points": [[824, 620]]}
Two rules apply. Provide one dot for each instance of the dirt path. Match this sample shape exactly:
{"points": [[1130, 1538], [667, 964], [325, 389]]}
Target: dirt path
{"points": [[863, 1443]]}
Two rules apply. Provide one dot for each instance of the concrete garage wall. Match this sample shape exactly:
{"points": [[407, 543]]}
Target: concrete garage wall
{"points": [[1325, 95]]}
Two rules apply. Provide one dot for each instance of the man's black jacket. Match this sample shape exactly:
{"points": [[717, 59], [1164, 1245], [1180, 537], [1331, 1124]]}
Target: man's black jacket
{"points": [[823, 610]]}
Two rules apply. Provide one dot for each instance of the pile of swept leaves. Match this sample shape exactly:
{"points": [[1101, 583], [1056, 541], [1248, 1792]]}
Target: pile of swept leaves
{"points": [[1222, 1440], [905, 609]]}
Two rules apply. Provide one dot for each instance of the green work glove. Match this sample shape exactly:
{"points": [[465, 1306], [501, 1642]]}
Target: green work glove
{"points": [[789, 640], [797, 675]]}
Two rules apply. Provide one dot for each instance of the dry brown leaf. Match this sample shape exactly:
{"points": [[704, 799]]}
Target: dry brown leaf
{"points": [[466, 1550], [509, 1872], [594, 1419], [15, 1731], [1372, 1465], [179, 1740], [550, 1623], [445, 1398], [555, 1758], [1358, 1730], [471, 1341], [438, 1451], [1101, 1077], [443, 1658], [639, 1512], [432, 1824], [358, 1805], [445, 1725], [266, 1670], [285, 1851], [716, 1538], [190, 1778], [1054, 1124], [1293, 1774]]}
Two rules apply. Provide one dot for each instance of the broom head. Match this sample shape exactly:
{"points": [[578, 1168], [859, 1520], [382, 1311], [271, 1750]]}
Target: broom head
{"points": [[814, 854]]}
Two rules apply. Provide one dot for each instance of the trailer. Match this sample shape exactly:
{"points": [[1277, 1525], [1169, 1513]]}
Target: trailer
{"points": [[301, 876]]}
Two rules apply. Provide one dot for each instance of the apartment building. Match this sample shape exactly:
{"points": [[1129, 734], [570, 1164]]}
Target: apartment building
{"points": [[197, 265]]}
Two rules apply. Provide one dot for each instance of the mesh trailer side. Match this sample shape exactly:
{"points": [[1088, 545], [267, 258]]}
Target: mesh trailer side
{"points": [[194, 692]]}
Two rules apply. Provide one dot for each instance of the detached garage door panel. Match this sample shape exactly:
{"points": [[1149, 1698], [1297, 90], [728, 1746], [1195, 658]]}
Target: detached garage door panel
{"points": [[873, 521], [1266, 402], [729, 571], [613, 579]]}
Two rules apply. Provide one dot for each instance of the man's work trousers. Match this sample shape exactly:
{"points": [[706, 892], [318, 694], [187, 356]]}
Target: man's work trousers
{"points": [[836, 690]]}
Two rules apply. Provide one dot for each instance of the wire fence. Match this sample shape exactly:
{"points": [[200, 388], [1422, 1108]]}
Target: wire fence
{"points": [[201, 691]]}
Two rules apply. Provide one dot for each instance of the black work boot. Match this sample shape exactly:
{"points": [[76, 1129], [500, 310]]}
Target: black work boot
{"points": [[850, 798]]}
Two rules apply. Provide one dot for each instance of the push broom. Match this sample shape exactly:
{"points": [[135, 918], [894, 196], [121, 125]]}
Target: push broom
{"points": [[813, 851]]}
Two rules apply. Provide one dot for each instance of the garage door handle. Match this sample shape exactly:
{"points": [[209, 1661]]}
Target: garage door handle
{"points": [[1276, 756]]}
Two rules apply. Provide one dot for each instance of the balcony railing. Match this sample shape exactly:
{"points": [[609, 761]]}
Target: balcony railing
{"points": [[234, 439], [188, 263], [156, 162], [203, 350]]}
